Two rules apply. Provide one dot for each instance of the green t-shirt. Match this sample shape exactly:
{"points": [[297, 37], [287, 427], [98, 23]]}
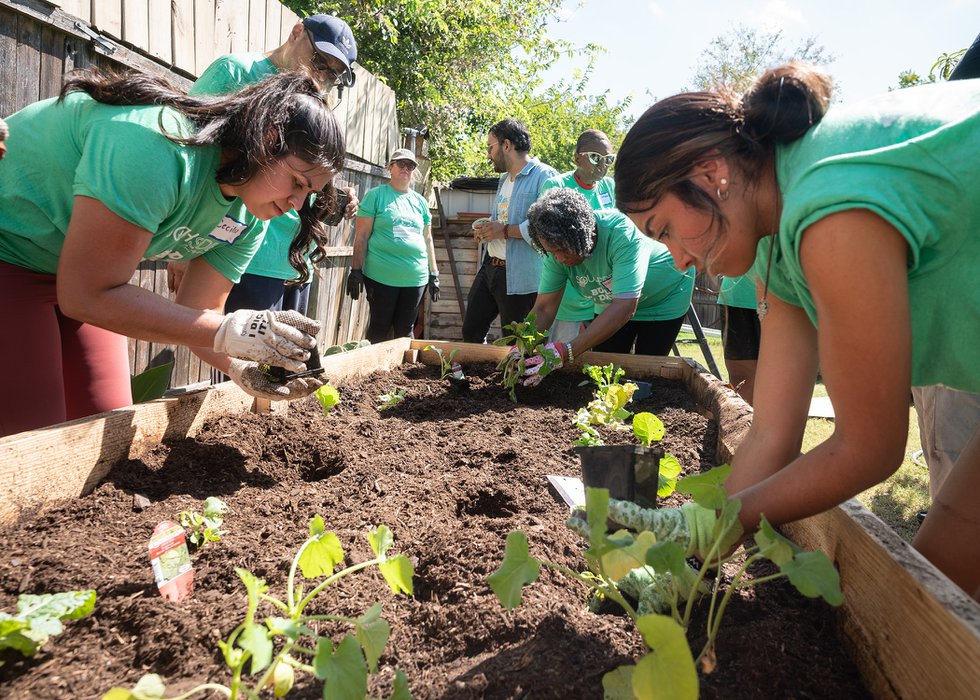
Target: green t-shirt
{"points": [[575, 307], [227, 74], [738, 291], [397, 253], [910, 156], [117, 155], [624, 264]]}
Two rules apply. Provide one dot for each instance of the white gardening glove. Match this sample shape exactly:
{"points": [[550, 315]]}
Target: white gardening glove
{"points": [[255, 382], [277, 338], [548, 359]]}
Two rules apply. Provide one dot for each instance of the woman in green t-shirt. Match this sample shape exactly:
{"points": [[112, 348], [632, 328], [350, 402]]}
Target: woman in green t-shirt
{"points": [[119, 170], [865, 218], [393, 253]]}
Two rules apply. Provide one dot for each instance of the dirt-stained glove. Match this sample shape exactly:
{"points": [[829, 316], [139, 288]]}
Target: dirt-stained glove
{"points": [[539, 366], [257, 383], [355, 283], [278, 338], [433, 287], [651, 589]]}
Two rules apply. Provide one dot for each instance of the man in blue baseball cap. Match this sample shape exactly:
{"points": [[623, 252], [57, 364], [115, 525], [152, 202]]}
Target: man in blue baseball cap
{"points": [[323, 46]]}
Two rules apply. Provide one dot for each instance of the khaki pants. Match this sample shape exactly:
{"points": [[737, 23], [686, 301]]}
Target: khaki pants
{"points": [[947, 420]]}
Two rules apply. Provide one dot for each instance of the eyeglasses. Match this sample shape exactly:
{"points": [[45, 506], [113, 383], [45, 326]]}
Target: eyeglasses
{"points": [[321, 64], [598, 159], [406, 164], [490, 146]]}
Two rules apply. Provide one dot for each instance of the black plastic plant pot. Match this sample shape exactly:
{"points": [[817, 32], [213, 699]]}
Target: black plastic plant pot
{"points": [[643, 390], [629, 472]]}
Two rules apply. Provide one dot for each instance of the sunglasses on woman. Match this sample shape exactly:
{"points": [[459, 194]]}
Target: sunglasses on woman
{"points": [[406, 164], [597, 158]]}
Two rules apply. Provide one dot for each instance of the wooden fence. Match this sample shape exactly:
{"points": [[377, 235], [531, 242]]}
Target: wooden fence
{"points": [[41, 42]]}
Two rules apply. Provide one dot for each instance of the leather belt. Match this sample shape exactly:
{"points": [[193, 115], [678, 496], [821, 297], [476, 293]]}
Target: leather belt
{"points": [[498, 262]]}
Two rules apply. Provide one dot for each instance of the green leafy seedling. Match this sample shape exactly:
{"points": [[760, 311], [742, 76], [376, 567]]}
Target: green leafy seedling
{"points": [[205, 527], [527, 341], [39, 617], [391, 399], [263, 653], [328, 397], [446, 363]]}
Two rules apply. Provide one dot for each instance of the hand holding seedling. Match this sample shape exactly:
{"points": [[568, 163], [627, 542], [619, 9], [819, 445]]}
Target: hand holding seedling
{"points": [[547, 359], [255, 382], [277, 338]]}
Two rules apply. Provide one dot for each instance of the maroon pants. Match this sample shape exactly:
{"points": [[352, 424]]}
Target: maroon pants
{"points": [[53, 368]]}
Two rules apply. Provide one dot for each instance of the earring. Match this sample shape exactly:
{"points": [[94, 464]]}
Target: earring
{"points": [[723, 196]]}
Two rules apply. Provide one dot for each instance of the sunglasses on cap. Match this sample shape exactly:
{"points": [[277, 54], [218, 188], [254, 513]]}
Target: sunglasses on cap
{"points": [[598, 159]]}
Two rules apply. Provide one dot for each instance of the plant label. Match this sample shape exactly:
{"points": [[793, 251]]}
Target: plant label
{"points": [[171, 561]]}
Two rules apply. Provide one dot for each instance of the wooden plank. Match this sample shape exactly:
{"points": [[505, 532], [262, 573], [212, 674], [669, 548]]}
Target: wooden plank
{"points": [[256, 26], [27, 72], [910, 630], [273, 25], [52, 59], [287, 22], [136, 22], [238, 26], [8, 57], [223, 12], [183, 35], [205, 38], [107, 17], [82, 9], [160, 43]]}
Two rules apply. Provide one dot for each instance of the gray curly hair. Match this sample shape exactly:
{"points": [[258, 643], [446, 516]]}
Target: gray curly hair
{"points": [[563, 219]]}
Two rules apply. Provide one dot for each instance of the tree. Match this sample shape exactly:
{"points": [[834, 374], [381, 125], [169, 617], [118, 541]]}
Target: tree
{"points": [[940, 70], [735, 58]]}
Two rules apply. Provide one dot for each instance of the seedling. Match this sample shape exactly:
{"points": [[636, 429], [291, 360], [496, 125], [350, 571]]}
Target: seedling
{"points": [[39, 618], [527, 341], [391, 399], [328, 397], [608, 407], [648, 429], [205, 527], [618, 561], [265, 653], [446, 363]]}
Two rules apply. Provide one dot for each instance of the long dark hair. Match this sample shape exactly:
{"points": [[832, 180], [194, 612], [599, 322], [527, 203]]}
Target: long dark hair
{"points": [[280, 116], [680, 132]]}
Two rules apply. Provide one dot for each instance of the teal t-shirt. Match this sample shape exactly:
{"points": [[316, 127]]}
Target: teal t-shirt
{"points": [[397, 253], [117, 155], [912, 157], [624, 264], [227, 74], [738, 291], [575, 307]]}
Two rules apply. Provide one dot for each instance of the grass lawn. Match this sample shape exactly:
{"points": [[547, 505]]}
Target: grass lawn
{"points": [[896, 500]]}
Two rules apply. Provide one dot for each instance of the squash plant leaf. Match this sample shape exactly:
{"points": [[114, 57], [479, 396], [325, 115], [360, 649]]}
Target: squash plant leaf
{"points": [[813, 574], [670, 469], [707, 489], [666, 557], [772, 545], [40, 616], [668, 671], [149, 687], [517, 569], [255, 640], [398, 572], [321, 555], [380, 539], [254, 585], [317, 526], [399, 689], [619, 561], [343, 671], [328, 397], [648, 428], [618, 683], [287, 627], [372, 633]]}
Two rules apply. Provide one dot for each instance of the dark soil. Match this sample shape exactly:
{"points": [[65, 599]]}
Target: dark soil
{"points": [[451, 471]]}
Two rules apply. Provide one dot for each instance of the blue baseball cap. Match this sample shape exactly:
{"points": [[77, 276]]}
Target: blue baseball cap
{"points": [[332, 36]]}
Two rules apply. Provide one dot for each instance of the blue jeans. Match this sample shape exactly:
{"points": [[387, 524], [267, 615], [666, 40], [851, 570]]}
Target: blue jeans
{"points": [[258, 292]]}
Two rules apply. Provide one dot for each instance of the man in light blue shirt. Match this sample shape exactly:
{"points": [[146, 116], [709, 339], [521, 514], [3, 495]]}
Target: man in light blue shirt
{"points": [[507, 282]]}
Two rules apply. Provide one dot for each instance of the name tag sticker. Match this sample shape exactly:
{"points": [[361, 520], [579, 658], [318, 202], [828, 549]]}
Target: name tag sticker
{"points": [[229, 229], [605, 199], [402, 232]]}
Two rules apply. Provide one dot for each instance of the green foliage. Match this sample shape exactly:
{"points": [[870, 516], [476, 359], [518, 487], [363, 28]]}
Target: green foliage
{"points": [[608, 407], [39, 617], [152, 383], [621, 558], [526, 341], [734, 59], [459, 67], [272, 649], [445, 363], [648, 428], [941, 70], [391, 399], [205, 527], [328, 397]]}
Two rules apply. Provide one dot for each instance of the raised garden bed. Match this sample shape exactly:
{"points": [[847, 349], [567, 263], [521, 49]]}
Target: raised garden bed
{"points": [[451, 471]]}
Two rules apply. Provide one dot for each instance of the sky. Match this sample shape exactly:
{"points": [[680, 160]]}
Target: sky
{"points": [[653, 46]]}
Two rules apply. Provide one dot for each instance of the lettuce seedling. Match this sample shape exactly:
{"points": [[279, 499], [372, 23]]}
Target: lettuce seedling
{"points": [[263, 653], [391, 399], [526, 341], [39, 617], [205, 527], [446, 363], [648, 429], [657, 576], [328, 397]]}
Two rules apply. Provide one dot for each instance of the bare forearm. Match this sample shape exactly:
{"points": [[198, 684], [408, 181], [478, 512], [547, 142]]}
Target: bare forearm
{"points": [[604, 326]]}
